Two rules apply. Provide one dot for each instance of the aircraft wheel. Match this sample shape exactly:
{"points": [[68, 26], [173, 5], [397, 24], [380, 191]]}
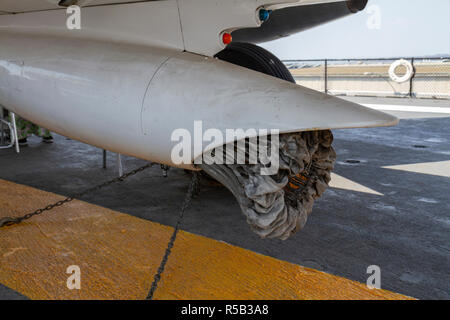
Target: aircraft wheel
{"points": [[253, 57]]}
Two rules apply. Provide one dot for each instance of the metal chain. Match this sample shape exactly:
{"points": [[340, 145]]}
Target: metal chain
{"points": [[193, 190], [9, 221]]}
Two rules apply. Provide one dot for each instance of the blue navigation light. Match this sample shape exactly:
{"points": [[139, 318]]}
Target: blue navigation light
{"points": [[264, 14]]}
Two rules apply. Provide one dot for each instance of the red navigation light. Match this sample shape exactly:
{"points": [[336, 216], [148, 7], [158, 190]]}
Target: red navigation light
{"points": [[227, 38]]}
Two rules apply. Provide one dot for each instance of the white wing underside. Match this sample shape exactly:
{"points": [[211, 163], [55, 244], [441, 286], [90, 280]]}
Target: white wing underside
{"points": [[21, 6], [185, 25]]}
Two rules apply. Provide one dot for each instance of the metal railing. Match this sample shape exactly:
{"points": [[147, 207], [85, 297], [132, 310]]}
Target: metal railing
{"points": [[8, 130], [371, 77]]}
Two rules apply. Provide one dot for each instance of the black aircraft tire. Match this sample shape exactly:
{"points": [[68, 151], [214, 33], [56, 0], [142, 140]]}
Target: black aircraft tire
{"points": [[253, 57]]}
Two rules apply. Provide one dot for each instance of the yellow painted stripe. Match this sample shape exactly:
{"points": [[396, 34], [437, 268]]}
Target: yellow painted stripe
{"points": [[118, 255], [201, 268]]}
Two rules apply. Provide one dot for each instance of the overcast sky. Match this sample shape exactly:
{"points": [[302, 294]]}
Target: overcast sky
{"points": [[406, 28]]}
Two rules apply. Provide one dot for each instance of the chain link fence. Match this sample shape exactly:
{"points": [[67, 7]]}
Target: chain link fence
{"points": [[371, 77]]}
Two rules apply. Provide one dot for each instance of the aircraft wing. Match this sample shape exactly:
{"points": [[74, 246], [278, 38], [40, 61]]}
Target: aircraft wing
{"points": [[20, 6], [190, 25]]}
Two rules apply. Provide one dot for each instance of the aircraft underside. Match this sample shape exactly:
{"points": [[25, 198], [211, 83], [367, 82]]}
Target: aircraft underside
{"points": [[135, 73]]}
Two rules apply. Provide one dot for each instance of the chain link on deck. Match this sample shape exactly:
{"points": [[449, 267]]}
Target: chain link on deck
{"points": [[9, 221], [193, 190]]}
